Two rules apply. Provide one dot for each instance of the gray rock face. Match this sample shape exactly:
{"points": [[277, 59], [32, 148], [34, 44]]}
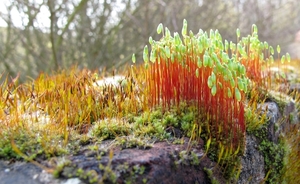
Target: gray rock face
{"points": [[24, 173], [252, 163], [273, 113], [253, 160]]}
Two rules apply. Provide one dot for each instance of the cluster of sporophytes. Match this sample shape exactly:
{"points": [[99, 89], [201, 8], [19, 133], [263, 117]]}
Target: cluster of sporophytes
{"points": [[43, 115], [214, 77], [198, 69]]}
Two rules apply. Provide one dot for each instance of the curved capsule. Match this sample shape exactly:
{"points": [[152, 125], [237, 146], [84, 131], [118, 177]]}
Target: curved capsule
{"points": [[146, 54], [238, 95], [159, 28]]}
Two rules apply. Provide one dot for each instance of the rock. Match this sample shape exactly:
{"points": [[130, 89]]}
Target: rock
{"points": [[252, 163], [23, 172], [273, 114], [253, 168], [279, 122], [17, 178], [28, 173], [289, 115], [163, 163]]}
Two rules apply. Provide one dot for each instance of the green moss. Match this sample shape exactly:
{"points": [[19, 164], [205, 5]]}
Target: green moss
{"points": [[178, 141], [170, 120], [133, 141], [62, 163], [273, 154], [137, 169], [187, 158], [253, 120], [108, 174], [130, 174], [210, 175], [80, 173], [183, 158], [195, 159], [110, 128], [92, 176], [144, 180], [32, 144], [273, 158]]}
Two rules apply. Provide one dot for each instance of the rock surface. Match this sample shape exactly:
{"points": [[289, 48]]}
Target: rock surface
{"points": [[252, 163], [163, 163], [253, 160], [24, 173], [273, 114]]}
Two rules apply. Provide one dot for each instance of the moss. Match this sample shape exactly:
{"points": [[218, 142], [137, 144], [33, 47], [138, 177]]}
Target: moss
{"points": [[32, 144], [178, 141], [130, 174], [273, 158], [188, 158], [183, 158], [80, 173], [137, 169], [133, 142], [144, 180], [84, 140], [253, 120], [110, 128], [60, 167], [92, 176], [281, 99], [195, 159], [211, 177], [273, 154], [109, 176]]}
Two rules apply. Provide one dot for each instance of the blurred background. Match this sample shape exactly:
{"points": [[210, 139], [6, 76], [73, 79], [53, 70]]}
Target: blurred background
{"points": [[47, 35]]}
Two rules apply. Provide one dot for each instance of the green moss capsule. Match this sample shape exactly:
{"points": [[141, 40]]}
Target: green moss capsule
{"points": [[238, 95], [146, 54], [133, 58], [278, 49], [159, 28], [168, 52], [184, 28]]}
